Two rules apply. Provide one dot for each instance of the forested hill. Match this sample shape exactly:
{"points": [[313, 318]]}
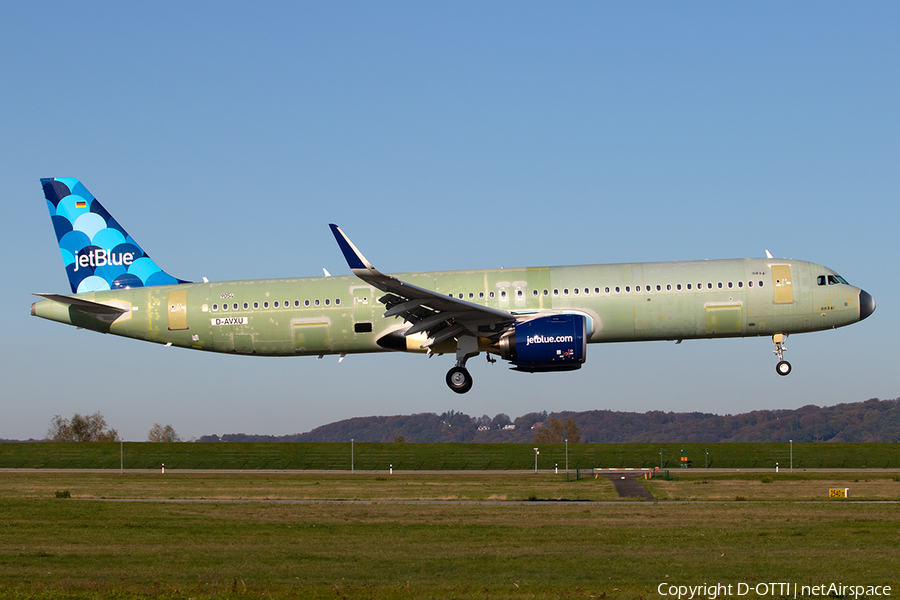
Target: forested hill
{"points": [[870, 421]]}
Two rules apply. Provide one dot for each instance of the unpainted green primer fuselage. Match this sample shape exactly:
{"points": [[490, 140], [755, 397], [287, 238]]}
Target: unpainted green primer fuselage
{"points": [[342, 314]]}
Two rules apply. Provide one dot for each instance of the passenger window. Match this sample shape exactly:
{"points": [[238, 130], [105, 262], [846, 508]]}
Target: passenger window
{"points": [[471, 296], [275, 304], [720, 285], [256, 305], [235, 305], [503, 294], [337, 301], [628, 288], [606, 289], [556, 291], [597, 290], [518, 293], [327, 301], [730, 285], [678, 286], [481, 295], [689, 286], [760, 284], [491, 294], [565, 291], [215, 307], [317, 301], [306, 303], [617, 289], [296, 304], [534, 293], [246, 306], [588, 291], [546, 292], [749, 284], [575, 291]]}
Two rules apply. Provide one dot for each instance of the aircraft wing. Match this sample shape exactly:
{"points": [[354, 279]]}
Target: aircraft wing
{"points": [[440, 317]]}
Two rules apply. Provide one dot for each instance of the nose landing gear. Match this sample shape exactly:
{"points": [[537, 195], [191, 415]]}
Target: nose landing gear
{"points": [[783, 367]]}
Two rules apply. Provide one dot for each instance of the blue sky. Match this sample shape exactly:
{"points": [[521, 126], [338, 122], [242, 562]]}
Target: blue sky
{"points": [[226, 137]]}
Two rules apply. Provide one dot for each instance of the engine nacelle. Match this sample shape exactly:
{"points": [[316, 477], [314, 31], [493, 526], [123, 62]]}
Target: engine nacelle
{"points": [[550, 343]]}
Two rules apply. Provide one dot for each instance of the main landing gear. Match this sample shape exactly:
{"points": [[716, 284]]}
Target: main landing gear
{"points": [[783, 367], [458, 378]]}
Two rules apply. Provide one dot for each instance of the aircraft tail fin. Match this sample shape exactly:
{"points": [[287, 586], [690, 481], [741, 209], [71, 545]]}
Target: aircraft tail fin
{"points": [[98, 253]]}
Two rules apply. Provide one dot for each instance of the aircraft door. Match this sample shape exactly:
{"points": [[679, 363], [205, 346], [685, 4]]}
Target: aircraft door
{"points": [[363, 303], [784, 288], [178, 310], [503, 294], [519, 292]]}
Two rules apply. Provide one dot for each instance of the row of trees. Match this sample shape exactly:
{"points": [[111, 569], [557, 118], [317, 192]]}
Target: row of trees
{"points": [[451, 426], [870, 421], [93, 428]]}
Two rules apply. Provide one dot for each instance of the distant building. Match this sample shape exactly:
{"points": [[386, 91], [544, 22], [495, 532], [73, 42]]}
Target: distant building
{"points": [[510, 426], [538, 424], [484, 428]]}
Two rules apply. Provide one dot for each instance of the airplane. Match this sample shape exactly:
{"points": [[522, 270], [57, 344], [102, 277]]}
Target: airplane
{"points": [[540, 319]]}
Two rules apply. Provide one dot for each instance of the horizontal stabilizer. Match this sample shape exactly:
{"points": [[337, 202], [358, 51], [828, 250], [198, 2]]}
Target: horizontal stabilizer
{"points": [[85, 306]]}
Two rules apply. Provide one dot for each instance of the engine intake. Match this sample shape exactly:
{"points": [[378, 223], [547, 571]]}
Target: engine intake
{"points": [[550, 343]]}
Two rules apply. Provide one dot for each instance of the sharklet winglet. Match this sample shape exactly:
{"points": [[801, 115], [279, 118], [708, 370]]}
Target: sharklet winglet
{"points": [[352, 255]]}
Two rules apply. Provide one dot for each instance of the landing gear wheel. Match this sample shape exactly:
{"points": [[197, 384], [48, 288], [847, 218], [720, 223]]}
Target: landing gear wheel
{"points": [[783, 367], [459, 380]]}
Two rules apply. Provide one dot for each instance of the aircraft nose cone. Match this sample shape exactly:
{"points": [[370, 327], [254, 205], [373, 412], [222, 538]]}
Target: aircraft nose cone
{"points": [[866, 304]]}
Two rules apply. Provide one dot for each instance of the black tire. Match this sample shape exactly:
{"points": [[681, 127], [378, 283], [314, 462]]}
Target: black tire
{"points": [[783, 368], [459, 380]]}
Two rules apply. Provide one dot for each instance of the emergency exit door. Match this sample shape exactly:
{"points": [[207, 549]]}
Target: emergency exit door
{"points": [[178, 310]]}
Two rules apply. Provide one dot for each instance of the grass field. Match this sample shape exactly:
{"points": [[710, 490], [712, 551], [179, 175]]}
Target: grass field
{"points": [[78, 547], [435, 457]]}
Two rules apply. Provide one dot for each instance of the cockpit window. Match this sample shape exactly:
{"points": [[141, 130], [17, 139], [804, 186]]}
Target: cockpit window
{"points": [[820, 280], [836, 279]]}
